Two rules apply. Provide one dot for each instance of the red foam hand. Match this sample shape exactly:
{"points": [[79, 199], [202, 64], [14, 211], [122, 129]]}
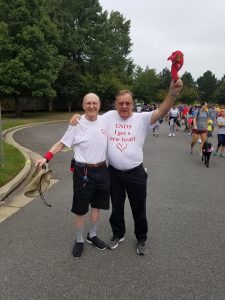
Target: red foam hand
{"points": [[177, 59]]}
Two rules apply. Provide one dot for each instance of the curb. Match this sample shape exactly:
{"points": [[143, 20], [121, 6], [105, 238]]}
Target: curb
{"points": [[9, 187]]}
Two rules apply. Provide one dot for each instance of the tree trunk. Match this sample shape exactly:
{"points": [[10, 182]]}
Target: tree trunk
{"points": [[70, 102], [18, 106], [50, 104]]}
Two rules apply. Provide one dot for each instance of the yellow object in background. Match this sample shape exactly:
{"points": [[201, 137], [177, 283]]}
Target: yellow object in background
{"points": [[209, 125]]}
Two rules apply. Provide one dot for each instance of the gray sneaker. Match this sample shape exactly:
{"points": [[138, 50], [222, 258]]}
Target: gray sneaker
{"points": [[114, 242], [141, 248]]}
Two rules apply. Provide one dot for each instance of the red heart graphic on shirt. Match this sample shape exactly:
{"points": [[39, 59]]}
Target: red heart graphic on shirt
{"points": [[103, 131], [121, 147]]}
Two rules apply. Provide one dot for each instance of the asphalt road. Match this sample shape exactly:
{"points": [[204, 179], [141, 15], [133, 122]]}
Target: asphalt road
{"points": [[186, 213]]}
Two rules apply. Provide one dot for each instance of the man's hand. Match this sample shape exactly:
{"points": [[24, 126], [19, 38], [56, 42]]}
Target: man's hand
{"points": [[74, 119], [40, 162], [175, 88]]}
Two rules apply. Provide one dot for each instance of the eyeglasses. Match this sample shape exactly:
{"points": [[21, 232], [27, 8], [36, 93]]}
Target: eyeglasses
{"points": [[127, 104], [91, 103]]}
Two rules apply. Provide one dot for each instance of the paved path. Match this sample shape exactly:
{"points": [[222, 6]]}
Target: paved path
{"points": [[186, 213]]}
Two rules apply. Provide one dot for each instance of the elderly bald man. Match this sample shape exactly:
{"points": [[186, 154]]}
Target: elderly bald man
{"points": [[91, 182]]}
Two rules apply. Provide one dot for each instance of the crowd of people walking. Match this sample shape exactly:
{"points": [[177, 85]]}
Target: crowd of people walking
{"points": [[200, 122]]}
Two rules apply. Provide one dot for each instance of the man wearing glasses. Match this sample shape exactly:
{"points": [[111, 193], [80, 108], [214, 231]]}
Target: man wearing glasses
{"points": [[126, 136], [90, 177]]}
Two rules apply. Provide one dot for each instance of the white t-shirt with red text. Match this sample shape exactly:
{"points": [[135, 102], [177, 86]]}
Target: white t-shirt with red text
{"points": [[88, 139], [126, 139]]}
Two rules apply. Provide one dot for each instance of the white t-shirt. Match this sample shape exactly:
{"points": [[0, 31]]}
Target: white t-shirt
{"points": [[221, 130], [89, 140], [126, 139], [174, 112]]}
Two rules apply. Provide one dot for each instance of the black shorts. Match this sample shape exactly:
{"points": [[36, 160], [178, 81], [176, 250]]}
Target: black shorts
{"points": [[93, 190], [221, 139]]}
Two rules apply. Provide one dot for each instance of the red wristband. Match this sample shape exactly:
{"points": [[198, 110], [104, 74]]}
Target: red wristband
{"points": [[48, 155]]}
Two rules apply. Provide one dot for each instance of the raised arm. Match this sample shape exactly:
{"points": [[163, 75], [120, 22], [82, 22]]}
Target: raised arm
{"points": [[174, 90]]}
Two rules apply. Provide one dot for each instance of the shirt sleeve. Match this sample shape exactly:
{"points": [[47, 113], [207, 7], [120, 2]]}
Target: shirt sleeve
{"points": [[108, 114], [68, 137], [148, 116]]}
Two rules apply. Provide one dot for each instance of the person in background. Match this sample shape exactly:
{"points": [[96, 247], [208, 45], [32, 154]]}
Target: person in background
{"points": [[173, 116], [184, 114], [189, 124], [199, 126], [155, 129], [217, 108], [221, 134], [209, 127], [213, 115]]}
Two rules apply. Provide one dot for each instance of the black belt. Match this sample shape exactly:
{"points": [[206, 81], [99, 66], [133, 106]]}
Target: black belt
{"points": [[127, 171], [85, 165]]}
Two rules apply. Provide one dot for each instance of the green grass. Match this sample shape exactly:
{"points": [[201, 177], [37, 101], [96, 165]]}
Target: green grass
{"points": [[13, 162], [13, 159]]}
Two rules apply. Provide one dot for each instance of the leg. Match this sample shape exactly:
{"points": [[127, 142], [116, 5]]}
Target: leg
{"points": [[99, 201], [171, 126], [203, 140], [223, 145], [79, 222], [194, 140], [223, 150], [136, 190], [118, 197], [95, 215], [174, 125], [207, 159], [153, 130], [92, 235], [94, 218], [79, 208], [218, 145], [79, 242]]}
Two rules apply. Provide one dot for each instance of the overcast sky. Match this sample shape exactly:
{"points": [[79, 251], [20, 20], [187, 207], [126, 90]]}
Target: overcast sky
{"points": [[159, 27]]}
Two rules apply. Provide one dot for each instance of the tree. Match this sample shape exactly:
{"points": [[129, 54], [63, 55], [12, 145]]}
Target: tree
{"points": [[29, 62], [146, 85], [189, 95], [165, 78], [107, 87], [220, 93], [118, 43], [188, 80], [67, 84], [207, 85], [97, 42]]}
